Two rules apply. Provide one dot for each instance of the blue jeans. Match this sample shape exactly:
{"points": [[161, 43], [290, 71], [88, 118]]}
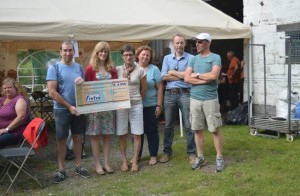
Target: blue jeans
{"points": [[9, 139], [172, 102], [151, 131]]}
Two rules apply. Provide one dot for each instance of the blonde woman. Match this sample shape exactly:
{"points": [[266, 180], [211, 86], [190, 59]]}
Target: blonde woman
{"points": [[101, 124]]}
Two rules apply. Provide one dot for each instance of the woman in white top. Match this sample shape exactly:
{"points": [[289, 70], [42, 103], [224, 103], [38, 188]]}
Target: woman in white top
{"points": [[137, 89]]}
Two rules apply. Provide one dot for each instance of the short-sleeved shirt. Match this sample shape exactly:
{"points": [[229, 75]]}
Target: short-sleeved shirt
{"points": [[170, 62], [203, 65], [65, 76], [134, 83], [153, 77]]}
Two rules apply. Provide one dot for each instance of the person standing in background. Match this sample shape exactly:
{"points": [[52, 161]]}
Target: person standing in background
{"points": [[234, 78]]}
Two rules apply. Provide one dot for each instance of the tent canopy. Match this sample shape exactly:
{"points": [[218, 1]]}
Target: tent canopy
{"points": [[114, 20]]}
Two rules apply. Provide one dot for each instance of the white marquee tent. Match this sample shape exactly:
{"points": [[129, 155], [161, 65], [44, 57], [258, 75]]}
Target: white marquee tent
{"points": [[114, 20]]}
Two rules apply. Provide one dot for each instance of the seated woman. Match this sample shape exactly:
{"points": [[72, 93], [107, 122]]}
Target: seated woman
{"points": [[14, 113]]}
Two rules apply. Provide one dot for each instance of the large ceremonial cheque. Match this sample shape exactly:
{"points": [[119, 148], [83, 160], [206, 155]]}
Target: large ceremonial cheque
{"points": [[104, 95]]}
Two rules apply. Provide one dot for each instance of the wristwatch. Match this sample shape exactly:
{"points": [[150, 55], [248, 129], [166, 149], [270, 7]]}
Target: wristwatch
{"points": [[198, 75], [7, 129]]}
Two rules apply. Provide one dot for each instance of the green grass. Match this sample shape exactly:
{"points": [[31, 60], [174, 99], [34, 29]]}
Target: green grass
{"points": [[254, 166]]}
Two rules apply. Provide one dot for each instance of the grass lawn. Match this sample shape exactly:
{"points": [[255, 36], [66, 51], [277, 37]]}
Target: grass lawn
{"points": [[254, 166]]}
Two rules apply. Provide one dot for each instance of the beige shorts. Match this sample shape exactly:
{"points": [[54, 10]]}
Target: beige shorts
{"points": [[134, 116], [207, 110]]}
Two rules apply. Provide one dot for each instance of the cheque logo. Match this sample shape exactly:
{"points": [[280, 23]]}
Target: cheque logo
{"points": [[91, 98]]}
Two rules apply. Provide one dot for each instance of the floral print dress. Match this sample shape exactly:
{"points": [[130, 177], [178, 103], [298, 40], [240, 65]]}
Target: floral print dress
{"points": [[101, 122]]}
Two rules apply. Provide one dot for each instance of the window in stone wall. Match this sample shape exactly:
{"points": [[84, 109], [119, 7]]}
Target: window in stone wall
{"points": [[295, 36]]}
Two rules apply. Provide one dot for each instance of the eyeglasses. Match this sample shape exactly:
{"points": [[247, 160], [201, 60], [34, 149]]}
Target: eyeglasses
{"points": [[201, 41], [127, 55]]}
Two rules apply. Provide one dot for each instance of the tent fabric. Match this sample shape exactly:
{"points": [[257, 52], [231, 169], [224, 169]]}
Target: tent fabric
{"points": [[114, 20]]}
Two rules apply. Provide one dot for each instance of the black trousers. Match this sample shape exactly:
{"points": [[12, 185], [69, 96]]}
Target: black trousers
{"points": [[234, 95]]}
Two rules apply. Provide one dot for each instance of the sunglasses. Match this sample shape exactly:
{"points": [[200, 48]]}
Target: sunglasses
{"points": [[201, 41]]}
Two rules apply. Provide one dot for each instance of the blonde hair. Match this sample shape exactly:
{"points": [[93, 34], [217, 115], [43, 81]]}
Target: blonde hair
{"points": [[94, 61], [140, 49], [10, 81]]}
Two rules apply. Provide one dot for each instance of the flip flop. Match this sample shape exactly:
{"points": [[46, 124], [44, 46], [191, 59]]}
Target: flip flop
{"points": [[108, 170]]}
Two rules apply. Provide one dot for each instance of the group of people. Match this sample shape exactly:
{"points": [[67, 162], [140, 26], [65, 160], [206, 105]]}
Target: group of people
{"points": [[146, 94], [191, 86]]}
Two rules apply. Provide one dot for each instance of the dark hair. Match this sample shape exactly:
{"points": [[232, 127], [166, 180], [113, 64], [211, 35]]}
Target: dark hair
{"points": [[67, 42], [126, 48]]}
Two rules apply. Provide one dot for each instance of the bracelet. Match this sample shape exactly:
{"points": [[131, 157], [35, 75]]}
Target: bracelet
{"points": [[158, 106]]}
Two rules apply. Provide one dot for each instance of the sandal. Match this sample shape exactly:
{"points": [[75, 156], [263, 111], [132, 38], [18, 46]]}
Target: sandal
{"points": [[124, 167], [100, 172], [108, 170]]}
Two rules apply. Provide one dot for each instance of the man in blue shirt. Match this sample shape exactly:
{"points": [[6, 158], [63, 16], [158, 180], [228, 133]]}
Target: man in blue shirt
{"points": [[61, 80], [203, 72], [177, 95]]}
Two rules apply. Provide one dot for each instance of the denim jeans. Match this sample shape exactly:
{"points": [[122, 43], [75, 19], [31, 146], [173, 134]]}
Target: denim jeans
{"points": [[172, 102], [151, 131], [9, 139], [65, 121]]}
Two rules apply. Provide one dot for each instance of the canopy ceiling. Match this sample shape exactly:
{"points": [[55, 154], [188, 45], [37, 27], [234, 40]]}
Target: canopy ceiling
{"points": [[114, 20]]}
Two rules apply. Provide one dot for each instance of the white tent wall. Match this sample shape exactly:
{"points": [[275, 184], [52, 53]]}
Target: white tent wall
{"points": [[114, 20]]}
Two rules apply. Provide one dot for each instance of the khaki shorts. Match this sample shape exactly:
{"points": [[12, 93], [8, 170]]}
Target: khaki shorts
{"points": [[208, 110]]}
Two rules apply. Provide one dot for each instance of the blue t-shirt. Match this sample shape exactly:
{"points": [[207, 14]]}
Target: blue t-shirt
{"points": [[65, 78], [203, 65], [153, 77], [170, 62]]}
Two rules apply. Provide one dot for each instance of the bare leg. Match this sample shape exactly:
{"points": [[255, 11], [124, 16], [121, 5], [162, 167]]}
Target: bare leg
{"points": [[199, 140], [96, 153], [77, 149], [61, 153], [106, 151], [136, 150], [218, 142], [123, 146]]}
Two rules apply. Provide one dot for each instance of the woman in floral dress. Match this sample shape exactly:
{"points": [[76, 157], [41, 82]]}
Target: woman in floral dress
{"points": [[101, 124]]}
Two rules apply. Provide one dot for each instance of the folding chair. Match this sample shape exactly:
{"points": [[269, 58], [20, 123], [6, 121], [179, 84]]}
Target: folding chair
{"points": [[17, 157], [44, 106]]}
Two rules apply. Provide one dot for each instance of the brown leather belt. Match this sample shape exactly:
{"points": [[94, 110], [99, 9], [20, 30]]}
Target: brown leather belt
{"points": [[178, 90]]}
